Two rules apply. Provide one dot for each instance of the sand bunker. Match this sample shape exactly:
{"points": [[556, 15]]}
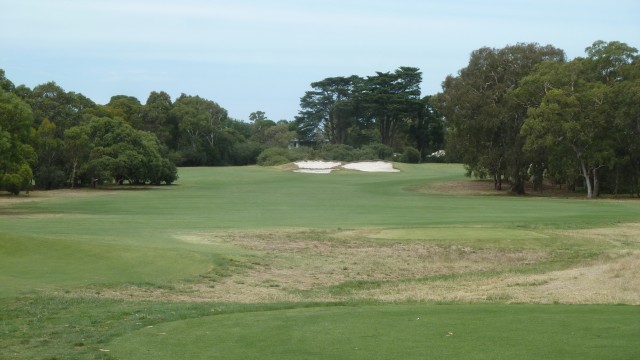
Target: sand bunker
{"points": [[326, 167], [371, 166]]}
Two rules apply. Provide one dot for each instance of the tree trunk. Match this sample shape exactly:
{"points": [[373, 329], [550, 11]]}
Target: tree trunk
{"points": [[587, 179], [73, 173], [596, 183], [518, 186]]}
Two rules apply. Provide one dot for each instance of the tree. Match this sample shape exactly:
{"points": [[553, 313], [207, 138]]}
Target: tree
{"points": [[390, 100], [483, 122], [77, 148], [583, 113], [260, 124], [64, 109], [575, 122], [6, 84], [49, 170], [127, 108], [328, 110], [201, 124], [626, 96], [426, 132], [118, 152], [156, 118], [16, 155]]}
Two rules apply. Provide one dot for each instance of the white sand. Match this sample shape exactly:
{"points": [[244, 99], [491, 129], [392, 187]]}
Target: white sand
{"points": [[371, 166], [317, 164], [314, 171], [325, 167]]}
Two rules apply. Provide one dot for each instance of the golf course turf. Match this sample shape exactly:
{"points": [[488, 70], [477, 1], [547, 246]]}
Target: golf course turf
{"points": [[251, 262]]}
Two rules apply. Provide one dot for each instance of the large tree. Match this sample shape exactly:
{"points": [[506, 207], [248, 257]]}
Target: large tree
{"points": [[391, 100], [202, 125], [16, 155], [587, 111], [117, 152], [50, 168], [483, 123], [64, 109], [156, 118], [328, 110]]}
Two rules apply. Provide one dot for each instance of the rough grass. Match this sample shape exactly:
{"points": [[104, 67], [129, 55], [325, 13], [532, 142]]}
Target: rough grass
{"points": [[467, 265]]}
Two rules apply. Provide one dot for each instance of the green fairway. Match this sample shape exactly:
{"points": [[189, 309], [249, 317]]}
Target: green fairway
{"points": [[86, 271], [397, 332]]}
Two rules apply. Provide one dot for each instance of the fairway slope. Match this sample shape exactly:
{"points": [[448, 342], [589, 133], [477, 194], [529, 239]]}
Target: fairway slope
{"points": [[109, 274]]}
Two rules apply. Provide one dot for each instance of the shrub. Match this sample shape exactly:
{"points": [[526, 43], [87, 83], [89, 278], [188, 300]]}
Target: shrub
{"points": [[337, 152], [380, 151], [12, 183], [273, 156], [411, 155], [301, 153], [246, 153]]}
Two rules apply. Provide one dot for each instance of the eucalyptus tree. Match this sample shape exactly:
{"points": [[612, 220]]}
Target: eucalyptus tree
{"points": [[156, 118], [6, 84], [49, 172], [201, 123], [588, 111], [16, 153], [64, 109], [127, 108], [109, 149], [483, 122]]}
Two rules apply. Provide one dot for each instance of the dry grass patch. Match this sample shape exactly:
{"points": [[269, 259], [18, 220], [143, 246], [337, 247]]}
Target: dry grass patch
{"points": [[602, 282], [458, 187], [304, 264], [294, 265], [486, 187]]}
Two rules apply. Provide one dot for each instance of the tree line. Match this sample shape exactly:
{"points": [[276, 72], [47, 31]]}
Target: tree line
{"points": [[526, 114], [522, 114], [53, 138]]}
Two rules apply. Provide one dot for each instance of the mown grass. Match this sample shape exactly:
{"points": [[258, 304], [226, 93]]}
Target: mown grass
{"points": [[397, 332], [80, 275]]}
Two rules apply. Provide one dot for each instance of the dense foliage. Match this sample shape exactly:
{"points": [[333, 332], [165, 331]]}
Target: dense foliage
{"points": [[385, 108], [524, 113]]}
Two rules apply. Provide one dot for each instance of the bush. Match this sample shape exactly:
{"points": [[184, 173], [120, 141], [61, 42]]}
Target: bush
{"points": [[12, 183], [411, 155], [301, 153], [337, 152], [245, 153], [380, 151], [273, 156]]}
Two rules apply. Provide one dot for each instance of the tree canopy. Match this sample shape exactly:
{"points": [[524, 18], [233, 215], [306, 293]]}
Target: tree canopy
{"points": [[522, 114], [525, 113]]}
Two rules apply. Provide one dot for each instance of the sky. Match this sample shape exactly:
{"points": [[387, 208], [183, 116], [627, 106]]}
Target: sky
{"points": [[249, 55]]}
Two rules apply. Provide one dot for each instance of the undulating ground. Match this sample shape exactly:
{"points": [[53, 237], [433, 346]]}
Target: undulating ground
{"points": [[229, 254]]}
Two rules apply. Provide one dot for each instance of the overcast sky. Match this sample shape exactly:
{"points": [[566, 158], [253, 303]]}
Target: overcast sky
{"points": [[250, 55]]}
